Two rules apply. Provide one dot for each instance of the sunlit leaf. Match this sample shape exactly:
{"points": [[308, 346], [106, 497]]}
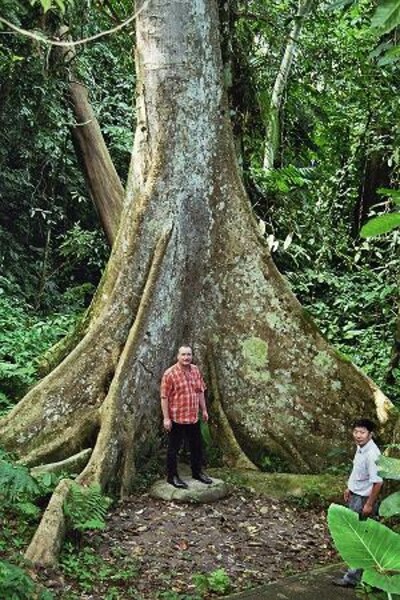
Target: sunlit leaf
{"points": [[390, 506], [288, 241], [389, 468], [381, 224]]}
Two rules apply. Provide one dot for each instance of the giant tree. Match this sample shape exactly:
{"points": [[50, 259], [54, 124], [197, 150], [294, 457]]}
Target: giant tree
{"points": [[188, 265]]}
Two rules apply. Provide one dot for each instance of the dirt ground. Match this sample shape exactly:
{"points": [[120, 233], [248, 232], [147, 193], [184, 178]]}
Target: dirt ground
{"points": [[254, 539]]}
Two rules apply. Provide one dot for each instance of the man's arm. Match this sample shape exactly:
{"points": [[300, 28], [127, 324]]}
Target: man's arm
{"points": [[372, 498], [164, 393], [165, 411], [203, 406]]}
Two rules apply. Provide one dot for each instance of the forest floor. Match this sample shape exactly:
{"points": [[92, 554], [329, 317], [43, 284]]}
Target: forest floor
{"points": [[153, 549]]}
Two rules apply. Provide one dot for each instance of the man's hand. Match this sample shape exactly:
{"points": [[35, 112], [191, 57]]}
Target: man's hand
{"points": [[346, 495], [167, 424], [204, 415], [367, 509]]}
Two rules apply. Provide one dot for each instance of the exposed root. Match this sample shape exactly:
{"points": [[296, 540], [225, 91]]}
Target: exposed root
{"points": [[72, 464], [233, 453], [46, 543], [66, 443]]}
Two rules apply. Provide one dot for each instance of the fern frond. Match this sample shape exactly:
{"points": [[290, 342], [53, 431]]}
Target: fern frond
{"points": [[16, 482], [86, 507]]}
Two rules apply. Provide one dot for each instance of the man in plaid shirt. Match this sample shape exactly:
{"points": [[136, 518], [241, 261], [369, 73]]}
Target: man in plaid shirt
{"points": [[182, 394]]}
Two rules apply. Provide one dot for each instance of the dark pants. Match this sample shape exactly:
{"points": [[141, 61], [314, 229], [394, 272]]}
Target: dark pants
{"points": [[178, 433], [356, 503]]}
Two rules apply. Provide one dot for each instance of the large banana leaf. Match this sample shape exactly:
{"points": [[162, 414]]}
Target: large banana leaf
{"points": [[390, 506], [389, 468], [367, 545]]}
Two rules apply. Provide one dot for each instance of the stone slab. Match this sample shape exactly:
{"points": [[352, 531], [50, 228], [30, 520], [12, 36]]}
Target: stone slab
{"points": [[312, 585], [197, 492]]}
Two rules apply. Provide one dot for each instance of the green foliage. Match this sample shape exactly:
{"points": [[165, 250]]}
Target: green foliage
{"points": [[380, 224], [217, 581], [16, 482], [89, 569], [78, 245], [211, 448], [333, 299], [367, 545], [388, 467], [386, 16], [15, 584], [20, 493], [86, 507], [24, 337], [390, 506]]}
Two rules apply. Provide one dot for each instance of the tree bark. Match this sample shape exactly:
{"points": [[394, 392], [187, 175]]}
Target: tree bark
{"points": [[188, 266], [272, 132]]}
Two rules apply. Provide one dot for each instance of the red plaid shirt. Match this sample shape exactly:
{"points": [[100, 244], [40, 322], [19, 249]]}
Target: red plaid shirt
{"points": [[182, 388]]}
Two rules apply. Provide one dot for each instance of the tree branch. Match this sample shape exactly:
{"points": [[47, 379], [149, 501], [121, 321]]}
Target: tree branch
{"points": [[49, 42]]}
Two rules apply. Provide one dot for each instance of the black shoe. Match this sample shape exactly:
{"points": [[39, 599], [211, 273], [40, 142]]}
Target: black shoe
{"points": [[344, 583], [203, 478], [177, 482]]}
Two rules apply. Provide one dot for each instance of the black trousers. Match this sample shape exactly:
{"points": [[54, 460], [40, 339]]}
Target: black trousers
{"points": [[192, 434]]}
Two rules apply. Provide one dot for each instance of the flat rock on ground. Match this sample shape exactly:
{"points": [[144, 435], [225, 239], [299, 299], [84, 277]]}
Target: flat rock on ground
{"points": [[197, 492], [313, 585]]}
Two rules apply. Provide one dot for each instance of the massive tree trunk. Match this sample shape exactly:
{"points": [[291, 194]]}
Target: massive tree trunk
{"points": [[188, 265]]}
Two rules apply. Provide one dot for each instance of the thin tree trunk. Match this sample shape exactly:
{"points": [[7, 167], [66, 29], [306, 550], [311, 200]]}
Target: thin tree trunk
{"points": [[104, 185], [272, 133]]}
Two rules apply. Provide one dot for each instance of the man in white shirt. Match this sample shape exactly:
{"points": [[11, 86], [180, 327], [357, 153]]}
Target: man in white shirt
{"points": [[363, 486]]}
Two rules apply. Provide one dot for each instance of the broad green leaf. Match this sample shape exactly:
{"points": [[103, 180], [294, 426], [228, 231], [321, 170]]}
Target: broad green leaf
{"points": [[46, 4], [390, 506], [386, 16], [367, 545], [389, 468], [380, 224], [393, 194]]}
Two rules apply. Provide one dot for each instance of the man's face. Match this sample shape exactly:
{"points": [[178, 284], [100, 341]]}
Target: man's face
{"points": [[361, 436], [185, 356]]}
